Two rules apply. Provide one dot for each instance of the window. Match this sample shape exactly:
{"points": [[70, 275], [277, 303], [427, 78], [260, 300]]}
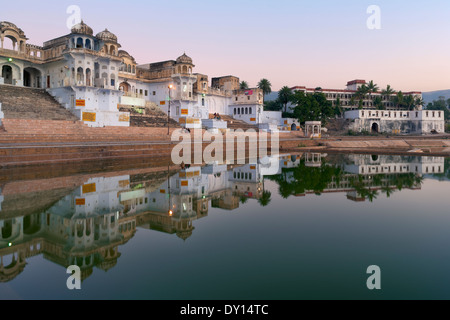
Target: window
{"points": [[154, 93], [203, 102], [250, 111], [248, 98], [234, 110], [146, 93]]}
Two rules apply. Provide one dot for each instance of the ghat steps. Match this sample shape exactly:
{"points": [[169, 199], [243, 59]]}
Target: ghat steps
{"points": [[235, 124], [30, 103]]}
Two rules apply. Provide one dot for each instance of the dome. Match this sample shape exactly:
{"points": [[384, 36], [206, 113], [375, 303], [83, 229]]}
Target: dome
{"points": [[184, 59], [82, 28], [6, 24], [9, 25], [106, 36]]}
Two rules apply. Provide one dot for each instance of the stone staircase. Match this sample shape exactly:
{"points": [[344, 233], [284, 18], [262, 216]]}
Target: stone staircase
{"points": [[235, 124], [30, 103]]}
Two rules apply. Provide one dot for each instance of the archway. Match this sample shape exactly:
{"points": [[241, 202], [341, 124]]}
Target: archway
{"points": [[7, 74], [31, 77], [10, 43], [293, 127], [375, 127], [125, 87]]}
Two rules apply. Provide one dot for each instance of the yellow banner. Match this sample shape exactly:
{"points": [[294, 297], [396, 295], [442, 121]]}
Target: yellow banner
{"points": [[80, 202], [89, 188], [89, 116], [124, 183], [184, 183], [124, 118], [184, 111]]}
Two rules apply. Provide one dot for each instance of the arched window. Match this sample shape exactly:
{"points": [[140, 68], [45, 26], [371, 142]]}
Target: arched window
{"points": [[129, 68], [246, 110], [234, 110], [250, 110], [80, 74], [88, 44], [113, 80], [185, 70], [80, 43], [239, 110], [134, 69], [203, 102], [112, 51], [242, 111]]}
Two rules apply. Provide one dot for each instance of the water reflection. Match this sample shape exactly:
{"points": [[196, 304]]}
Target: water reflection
{"points": [[85, 225]]}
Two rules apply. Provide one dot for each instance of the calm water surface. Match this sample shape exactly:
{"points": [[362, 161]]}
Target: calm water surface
{"points": [[283, 228]]}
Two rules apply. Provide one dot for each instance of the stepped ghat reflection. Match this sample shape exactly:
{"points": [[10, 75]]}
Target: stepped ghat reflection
{"points": [[83, 221]]}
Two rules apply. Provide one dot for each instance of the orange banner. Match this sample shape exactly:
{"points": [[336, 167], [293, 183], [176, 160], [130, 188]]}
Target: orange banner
{"points": [[80, 202], [80, 103]]}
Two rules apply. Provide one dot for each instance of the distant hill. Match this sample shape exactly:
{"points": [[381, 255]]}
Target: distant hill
{"points": [[434, 95], [271, 97]]}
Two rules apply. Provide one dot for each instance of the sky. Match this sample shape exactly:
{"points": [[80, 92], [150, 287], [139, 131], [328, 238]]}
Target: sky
{"points": [[321, 43]]}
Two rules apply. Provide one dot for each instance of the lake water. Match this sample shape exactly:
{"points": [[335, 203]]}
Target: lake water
{"points": [[289, 227]]}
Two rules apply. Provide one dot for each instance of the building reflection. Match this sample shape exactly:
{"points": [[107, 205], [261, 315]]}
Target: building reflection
{"points": [[85, 225]]}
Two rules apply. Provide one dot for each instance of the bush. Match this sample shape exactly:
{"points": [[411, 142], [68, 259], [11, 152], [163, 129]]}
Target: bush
{"points": [[447, 128]]}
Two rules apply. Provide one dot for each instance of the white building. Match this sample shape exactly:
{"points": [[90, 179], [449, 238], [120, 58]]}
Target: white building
{"points": [[93, 79]]}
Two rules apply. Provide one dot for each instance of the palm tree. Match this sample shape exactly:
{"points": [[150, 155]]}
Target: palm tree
{"points": [[243, 85], [372, 87], [243, 199], [419, 102], [265, 198], [338, 109], [378, 103], [409, 102], [265, 86], [285, 96], [399, 99], [361, 93], [388, 92]]}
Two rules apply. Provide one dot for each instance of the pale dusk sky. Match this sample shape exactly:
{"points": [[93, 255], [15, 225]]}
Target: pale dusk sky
{"points": [[306, 43]]}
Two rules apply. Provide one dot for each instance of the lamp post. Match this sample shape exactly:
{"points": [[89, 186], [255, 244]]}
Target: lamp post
{"points": [[168, 113], [168, 183]]}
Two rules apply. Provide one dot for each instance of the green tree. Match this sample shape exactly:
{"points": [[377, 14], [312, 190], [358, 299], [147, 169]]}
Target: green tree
{"points": [[440, 105], [285, 96], [361, 94], [388, 92], [265, 198], [372, 87], [272, 105], [378, 103], [312, 107], [243, 85], [338, 110], [399, 99]]}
